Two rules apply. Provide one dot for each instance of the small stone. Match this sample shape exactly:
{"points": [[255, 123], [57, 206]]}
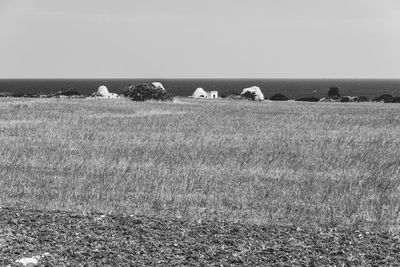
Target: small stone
{"points": [[28, 261]]}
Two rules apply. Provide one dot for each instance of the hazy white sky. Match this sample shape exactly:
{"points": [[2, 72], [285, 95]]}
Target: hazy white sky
{"points": [[195, 39]]}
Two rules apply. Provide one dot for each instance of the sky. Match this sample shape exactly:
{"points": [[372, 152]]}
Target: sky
{"points": [[200, 39]]}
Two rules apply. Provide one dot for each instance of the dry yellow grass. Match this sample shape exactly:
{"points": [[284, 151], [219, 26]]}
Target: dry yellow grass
{"points": [[302, 163]]}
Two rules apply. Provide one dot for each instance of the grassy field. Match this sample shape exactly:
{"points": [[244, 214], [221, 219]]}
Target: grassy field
{"points": [[303, 163]]}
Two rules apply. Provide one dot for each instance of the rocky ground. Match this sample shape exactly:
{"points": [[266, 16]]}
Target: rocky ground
{"points": [[62, 238]]}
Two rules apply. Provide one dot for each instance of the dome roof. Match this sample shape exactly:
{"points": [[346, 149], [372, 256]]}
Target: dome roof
{"points": [[102, 90]]}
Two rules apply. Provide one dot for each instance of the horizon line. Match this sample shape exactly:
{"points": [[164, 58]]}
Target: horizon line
{"points": [[193, 78]]}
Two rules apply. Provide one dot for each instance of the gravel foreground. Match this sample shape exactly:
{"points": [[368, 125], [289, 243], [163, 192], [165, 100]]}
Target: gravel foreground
{"points": [[66, 239]]}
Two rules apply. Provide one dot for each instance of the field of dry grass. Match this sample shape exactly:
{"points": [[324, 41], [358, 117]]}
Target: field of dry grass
{"points": [[304, 163]]}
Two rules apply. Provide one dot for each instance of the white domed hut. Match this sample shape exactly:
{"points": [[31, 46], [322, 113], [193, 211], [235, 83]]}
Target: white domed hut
{"points": [[102, 92], [256, 90], [158, 85], [200, 93]]}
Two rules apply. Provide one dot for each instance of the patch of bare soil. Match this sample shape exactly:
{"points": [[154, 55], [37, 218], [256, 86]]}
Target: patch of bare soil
{"points": [[67, 239]]}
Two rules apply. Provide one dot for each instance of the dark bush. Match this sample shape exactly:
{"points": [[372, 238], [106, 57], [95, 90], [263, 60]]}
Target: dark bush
{"points": [[308, 99], [345, 99], [385, 98], [6, 94], [249, 95], [279, 97], [32, 95], [18, 95], [363, 99], [396, 99], [333, 92], [142, 92], [69, 93]]}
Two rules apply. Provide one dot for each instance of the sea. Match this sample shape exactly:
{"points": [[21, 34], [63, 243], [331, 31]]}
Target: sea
{"points": [[292, 88]]}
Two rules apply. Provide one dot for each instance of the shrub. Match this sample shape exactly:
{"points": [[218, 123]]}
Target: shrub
{"points": [[142, 92], [70, 93], [32, 95], [279, 97], [308, 99], [345, 99], [6, 94], [18, 94], [396, 99], [385, 98], [249, 95], [333, 92], [363, 99]]}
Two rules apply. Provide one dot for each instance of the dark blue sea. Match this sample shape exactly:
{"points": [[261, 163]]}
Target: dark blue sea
{"points": [[293, 88]]}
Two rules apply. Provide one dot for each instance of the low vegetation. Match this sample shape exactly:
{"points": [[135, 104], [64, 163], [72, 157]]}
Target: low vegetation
{"points": [[249, 95], [334, 164], [143, 92], [308, 99], [279, 97]]}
